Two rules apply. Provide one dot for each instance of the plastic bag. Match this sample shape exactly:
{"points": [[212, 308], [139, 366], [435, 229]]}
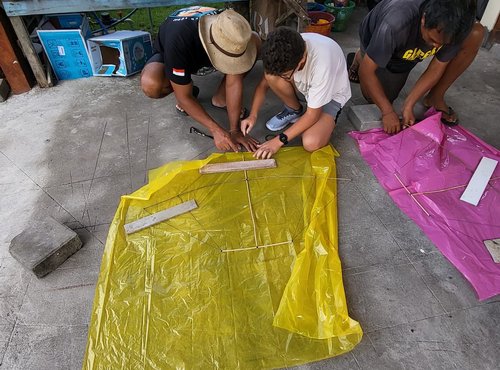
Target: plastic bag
{"points": [[172, 296], [435, 163]]}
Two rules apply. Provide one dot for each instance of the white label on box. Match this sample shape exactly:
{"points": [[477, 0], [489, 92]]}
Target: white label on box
{"points": [[61, 50], [475, 189]]}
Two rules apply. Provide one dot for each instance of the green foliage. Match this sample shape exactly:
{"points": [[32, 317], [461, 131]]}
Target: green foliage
{"points": [[140, 19]]}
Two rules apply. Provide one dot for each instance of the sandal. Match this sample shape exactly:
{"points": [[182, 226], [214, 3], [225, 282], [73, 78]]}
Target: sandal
{"points": [[449, 113], [353, 73], [195, 92], [244, 112]]}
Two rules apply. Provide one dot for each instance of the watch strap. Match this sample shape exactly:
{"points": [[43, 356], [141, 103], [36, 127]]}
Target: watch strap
{"points": [[283, 138]]}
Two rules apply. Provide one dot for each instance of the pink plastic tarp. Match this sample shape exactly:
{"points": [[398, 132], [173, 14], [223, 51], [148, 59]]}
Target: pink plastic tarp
{"points": [[439, 161]]}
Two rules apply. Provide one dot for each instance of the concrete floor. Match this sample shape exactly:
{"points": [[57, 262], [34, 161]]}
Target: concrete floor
{"points": [[72, 150]]}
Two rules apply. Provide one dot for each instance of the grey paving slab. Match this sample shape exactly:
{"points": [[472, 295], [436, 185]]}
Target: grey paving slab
{"points": [[44, 245], [450, 287], [365, 117], [61, 298], [37, 347], [13, 180], [45, 136], [19, 208], [379, 200], [467, 339], [412, 240], [93, 202], [364, 242], [389, 296]]}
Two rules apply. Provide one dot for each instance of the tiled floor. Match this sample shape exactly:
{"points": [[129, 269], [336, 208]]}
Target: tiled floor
{"points": [[72, 150]]}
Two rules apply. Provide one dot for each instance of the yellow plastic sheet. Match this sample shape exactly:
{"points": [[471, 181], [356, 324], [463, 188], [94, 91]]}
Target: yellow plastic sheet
{"points": [[169, 297]]}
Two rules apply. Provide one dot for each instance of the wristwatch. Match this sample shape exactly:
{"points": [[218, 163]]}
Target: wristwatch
{"points": [[283, 138]]}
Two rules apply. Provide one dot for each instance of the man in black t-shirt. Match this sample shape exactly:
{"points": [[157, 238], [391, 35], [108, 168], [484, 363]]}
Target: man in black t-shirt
{"points": [[396, 35], [197, 37]]}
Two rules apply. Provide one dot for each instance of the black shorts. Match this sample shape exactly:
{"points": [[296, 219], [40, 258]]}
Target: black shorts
{"points": [[157, 58], [392, 82]]}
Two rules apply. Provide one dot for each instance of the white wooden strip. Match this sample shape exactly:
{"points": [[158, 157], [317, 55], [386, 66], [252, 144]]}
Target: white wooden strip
{"points": [[480, 178], [160, 216], [238, 166]]}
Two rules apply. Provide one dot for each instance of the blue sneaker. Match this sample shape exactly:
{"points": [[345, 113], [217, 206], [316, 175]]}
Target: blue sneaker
{"points": [[284, 118]]}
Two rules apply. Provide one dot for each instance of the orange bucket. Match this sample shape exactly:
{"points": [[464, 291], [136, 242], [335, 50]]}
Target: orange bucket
{"points": [[321, 22]]}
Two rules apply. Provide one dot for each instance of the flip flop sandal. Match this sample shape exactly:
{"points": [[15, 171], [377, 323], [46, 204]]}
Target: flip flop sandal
{"points": [[196, 92], [353, 74], [244, 112], [450, 112]]}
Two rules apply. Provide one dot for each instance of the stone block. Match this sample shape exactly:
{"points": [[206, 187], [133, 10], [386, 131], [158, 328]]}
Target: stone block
{"points": [[44, 246], [365, 117], [4, 90]]}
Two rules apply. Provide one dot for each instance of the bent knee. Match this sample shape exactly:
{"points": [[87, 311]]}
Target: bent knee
{"points": [[151, 87], [313, 143]]}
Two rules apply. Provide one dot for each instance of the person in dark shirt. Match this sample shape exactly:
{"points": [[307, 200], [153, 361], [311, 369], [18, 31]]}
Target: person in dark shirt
{"points": [[197, 37], [396, 35]]}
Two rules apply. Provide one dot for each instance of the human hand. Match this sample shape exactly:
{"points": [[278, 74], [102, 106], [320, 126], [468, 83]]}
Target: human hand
{"points": [[248, 142], [223, 141], [391, 123], [247, 124], [268, 149], [408, 117]]}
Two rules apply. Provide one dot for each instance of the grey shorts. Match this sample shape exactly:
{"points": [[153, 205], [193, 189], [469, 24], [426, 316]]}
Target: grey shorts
{"points": [[333, 109]]}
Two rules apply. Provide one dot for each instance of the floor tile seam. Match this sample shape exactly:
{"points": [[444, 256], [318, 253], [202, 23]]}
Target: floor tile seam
{"points": [[9, 296], [382, 223], [82, 266], [17, 320], [422, 319], [355, 360], [21, 324], [421, 276], [20, 169], [406, 255], [97, 158], [2, 358], [41, 188], [91, 226], [479, 305], [375, 267], [52, 186], [128, 152], [103, 242]]}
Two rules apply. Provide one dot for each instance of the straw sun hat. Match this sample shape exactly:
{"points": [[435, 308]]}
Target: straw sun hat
{"points": [[228, 41]]}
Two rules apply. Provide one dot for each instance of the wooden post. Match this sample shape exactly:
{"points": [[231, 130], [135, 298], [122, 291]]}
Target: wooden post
{"points": [[29, 51], [12, 62]]}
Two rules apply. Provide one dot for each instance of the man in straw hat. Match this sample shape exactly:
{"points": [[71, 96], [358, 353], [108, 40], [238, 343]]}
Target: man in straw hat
{"points": [[197, 37]]}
